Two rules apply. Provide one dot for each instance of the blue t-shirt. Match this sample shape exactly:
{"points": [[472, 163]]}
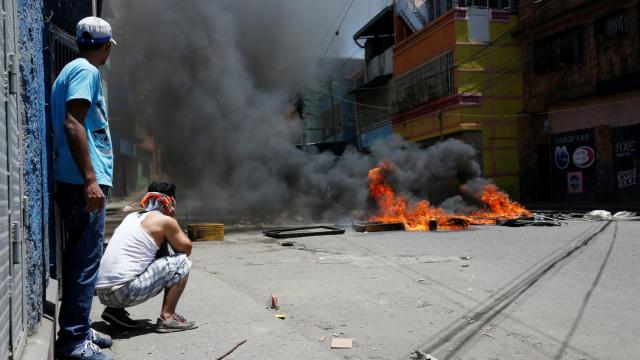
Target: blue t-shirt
{"points": [[81, 80]]}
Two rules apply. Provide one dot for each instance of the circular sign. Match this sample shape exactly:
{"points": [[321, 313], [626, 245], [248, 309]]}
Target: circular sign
{"points": [[562, 157], [584, 156]]}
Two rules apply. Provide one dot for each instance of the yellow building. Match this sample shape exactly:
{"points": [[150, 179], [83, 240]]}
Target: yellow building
{"points": [[457, 74]]}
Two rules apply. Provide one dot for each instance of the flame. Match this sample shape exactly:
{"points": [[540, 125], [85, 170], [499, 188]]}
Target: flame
{"points": [[393, 208]]}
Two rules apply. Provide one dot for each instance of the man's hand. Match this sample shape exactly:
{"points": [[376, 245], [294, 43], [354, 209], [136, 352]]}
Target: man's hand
{"points": [[94, 197], [77, 138]]}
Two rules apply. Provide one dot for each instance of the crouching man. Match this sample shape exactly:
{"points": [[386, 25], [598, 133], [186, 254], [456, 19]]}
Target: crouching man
{"points": [[134, 268]]}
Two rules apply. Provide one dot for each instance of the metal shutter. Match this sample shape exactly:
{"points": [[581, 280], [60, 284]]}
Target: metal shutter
{"points": [[5, 242], [12, 310], [18, 315]]}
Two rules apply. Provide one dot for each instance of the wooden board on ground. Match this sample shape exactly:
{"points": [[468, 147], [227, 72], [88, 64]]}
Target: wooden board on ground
{"points": [[341, 343]]}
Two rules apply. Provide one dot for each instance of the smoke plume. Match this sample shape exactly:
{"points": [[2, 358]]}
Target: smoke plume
{"points": [[212, 79]]}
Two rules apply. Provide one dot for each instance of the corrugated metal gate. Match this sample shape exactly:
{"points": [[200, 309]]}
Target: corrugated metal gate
{"points": [[12, 309], [63, 49]]}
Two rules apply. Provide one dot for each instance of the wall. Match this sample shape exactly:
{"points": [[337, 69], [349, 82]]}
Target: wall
{"points": [[605, 64], [488, 91], [535, 12], [32, 112], [600, 92], [432, 40]]}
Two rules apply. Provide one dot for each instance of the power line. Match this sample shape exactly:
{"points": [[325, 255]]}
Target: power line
{"points": [[335, 21], [337, 31], [577, 108], [351, 101]]}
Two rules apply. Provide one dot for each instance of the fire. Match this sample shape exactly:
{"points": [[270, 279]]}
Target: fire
{"points": [[393, 208]]}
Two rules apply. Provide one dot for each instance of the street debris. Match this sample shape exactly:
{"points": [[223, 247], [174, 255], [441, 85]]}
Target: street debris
{"points": [[286, 233], [274, 302], [321, 338], [280, 316], [534, 221], [419, 355], [465, 257], [603, 215], [376, 226], [595, 215], [287, 243], [230, 351], [341, 343], [465, 265], [421, 215]]}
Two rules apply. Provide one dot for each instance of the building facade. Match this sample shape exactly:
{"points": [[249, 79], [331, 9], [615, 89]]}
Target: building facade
{"points": [[329, 106], [582, 112], [457, 74], [373, 96]]}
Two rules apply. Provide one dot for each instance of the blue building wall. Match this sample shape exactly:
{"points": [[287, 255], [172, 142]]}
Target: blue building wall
{"points": [[36, 156], [369, 138]]}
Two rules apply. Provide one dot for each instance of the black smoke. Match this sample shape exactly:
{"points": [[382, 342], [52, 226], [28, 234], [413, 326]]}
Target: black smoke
{"points": [[212, 80]]}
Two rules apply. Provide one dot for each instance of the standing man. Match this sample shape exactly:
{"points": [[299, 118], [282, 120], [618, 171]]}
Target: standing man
{"points": [[83, 173]]}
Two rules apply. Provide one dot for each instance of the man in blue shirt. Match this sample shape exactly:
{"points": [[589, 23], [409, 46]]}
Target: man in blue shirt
{"points": [[83, 172]]}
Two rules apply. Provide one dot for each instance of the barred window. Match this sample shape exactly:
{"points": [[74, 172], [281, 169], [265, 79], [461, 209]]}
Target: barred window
{"points": [[558, 51], [429, 82], [611, 26]]}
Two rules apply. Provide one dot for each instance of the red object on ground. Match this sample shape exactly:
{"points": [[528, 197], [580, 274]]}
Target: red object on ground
{"points": [[274, 302]]}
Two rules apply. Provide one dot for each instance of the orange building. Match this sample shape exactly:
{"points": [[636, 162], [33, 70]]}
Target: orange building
{"points": [[457, 73]]}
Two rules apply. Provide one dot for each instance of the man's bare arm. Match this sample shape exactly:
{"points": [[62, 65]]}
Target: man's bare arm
{"points": [[77, 110], [176, 237]]}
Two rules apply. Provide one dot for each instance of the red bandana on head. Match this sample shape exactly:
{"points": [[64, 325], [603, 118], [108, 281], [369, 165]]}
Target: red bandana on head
{"points": [[155, 201]]}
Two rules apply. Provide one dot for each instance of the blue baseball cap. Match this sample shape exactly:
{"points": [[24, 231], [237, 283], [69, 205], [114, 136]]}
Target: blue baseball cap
{"points": [[93, 30]]}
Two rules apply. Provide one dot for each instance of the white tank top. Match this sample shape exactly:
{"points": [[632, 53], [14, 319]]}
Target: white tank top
{"points": [[129, 253]]}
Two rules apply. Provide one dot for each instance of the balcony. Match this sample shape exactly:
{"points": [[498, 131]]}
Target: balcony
{"points": [[379, 66]]}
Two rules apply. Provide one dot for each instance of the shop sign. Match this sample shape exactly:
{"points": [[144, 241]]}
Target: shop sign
{"points": [[562, 157], [574, 138], [575, 183], [627, 178], [584, 156], [625, 148]]}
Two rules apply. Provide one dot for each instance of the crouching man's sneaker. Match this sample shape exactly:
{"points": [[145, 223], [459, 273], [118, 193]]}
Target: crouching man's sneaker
{"points": [[174, 323], [85, 351], [119, 318]]}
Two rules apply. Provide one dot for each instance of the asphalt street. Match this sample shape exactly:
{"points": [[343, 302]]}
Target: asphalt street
{"points": [[569, 292]]}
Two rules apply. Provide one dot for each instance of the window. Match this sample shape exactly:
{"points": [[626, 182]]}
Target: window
{"points": [[472, 3], [493, 4], [611, 26], [500, 4], [558, 51], [436, 8], [429, 82]]}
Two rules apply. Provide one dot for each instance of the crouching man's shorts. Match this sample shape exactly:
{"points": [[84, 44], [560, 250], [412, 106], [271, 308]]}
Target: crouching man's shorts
{"points": [[163, 273]]}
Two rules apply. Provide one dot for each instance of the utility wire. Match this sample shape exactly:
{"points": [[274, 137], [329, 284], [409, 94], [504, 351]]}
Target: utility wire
{"points": [[337, 31], [335, 21]]}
